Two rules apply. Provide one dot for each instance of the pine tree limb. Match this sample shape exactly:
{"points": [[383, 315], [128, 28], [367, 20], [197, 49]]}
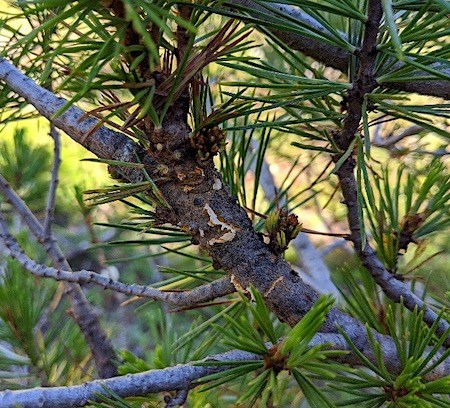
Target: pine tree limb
{"points": [[180, 377], [204, 209]]}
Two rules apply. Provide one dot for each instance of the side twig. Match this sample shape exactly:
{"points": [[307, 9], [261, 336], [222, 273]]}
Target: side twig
{"points": [[200, 294], [390, 140]]}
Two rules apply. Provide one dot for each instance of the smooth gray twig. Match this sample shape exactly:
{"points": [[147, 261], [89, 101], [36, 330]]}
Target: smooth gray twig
{"points": [[186, 376]]}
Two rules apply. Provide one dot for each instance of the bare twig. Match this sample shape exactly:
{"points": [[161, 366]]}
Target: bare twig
{"points": [[200, 294], [99, 344], [365, 83], [50, 208], [436, 153], [389, 142]]}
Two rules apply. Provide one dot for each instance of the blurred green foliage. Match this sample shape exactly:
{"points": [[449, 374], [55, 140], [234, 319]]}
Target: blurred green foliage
{"points": [[26, 167]]}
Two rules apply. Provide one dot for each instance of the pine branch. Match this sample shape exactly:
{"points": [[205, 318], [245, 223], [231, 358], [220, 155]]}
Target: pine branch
{"points": [[338, 58], [184, 377], [54, 180], [79, 126], [179, 377], [205, 210], [196, 208], [328, 54], [364, 84]]}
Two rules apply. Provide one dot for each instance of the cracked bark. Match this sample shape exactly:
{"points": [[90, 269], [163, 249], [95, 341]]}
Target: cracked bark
{"points": [[207, 213]]}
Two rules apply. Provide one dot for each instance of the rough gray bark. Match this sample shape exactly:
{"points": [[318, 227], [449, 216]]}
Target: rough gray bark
{"points": [[201, 205]]}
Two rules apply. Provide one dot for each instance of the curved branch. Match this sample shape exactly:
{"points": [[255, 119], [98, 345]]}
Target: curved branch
{"points": [[205, 209], [328, 54], [200, 294]]}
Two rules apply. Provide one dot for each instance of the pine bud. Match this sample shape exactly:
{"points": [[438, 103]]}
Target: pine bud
{"points": [[272, 221]]}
